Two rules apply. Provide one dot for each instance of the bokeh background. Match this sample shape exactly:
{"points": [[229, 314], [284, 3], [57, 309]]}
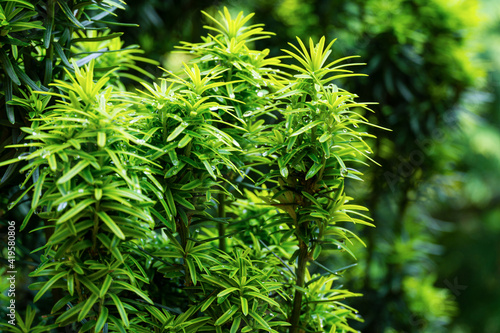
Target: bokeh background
{"points": [[432, 264]]}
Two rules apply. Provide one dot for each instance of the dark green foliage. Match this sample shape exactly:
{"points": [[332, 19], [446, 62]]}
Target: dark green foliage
{"points": [[421, 66], [146, 198], [225, 179]]}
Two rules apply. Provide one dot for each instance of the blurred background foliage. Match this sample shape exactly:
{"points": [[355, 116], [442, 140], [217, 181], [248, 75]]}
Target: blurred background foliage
{"points": [[432, 262], [434, 70]]}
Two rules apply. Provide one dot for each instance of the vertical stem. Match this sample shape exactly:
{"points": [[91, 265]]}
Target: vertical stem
{"points": [[164, 125], [221, 212], [96, 227], [297, 299], [183, 235], [96, 218], [183, 231]]}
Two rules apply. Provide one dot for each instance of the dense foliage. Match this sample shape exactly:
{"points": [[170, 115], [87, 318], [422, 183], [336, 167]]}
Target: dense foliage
{"points": [[434, 198], [198, 203], [422, 70]]}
